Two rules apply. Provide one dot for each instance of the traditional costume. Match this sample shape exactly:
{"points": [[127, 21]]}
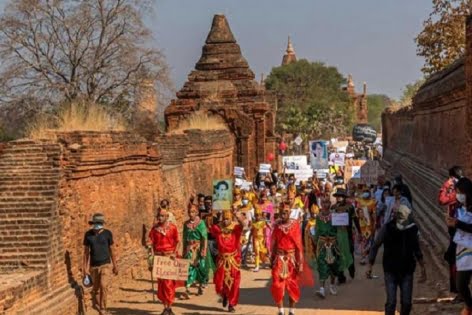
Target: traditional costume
{"points": [[165, 238], [287, 253], [258, 229], [327, 251], [366, 212], [195, 237], [227, 277], [309, 237]]}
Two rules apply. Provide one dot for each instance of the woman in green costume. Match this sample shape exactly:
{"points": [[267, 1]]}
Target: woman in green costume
{"points": [[327, 251], [195, 246]]}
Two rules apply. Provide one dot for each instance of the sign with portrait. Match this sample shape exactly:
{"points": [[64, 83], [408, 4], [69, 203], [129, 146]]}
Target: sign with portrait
{"points": [[318, 154], [338, 158], [222, 194], [171, 269]]}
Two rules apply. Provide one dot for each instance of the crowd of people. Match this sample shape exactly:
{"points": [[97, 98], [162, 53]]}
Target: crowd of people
{"points": [[295, 228]]}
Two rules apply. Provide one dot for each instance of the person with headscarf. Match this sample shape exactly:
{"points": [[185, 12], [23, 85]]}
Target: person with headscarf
{"points": [[227, 278], [288, 270], [400, 238]]}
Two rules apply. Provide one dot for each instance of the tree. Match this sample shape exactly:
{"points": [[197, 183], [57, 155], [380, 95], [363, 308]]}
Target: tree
{"points": [[377, 103], [310, 99], [409, 92], [442, 39], [60, 51]]}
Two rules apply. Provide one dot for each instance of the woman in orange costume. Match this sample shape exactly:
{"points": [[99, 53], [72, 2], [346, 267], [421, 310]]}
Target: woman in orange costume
{"points": [[165, 239], [287, 260], [227, 277]]}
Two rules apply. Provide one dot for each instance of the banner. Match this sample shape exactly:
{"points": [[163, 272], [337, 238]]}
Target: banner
{"points": [[170, 269], [318, 154], [222, 194], [295, 162], [264, 168], [362, 171]]}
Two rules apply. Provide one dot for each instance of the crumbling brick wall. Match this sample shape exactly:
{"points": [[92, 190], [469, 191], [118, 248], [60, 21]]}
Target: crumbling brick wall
{"points": [[116, 173]]}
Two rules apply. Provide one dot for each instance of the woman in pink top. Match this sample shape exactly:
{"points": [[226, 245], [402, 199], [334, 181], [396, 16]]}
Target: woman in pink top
{"points": [[268, 212]]}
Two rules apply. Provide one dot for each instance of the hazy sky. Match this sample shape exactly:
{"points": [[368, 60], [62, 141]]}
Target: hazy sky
{"points": [[372, 39]]}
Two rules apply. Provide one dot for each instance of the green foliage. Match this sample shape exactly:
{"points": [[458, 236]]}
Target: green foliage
{"points": [[377, 104], [409, 92], [310, 99]]}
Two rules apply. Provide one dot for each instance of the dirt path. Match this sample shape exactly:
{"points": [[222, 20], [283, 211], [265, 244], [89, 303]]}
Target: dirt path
{"points": [[359, 296]]}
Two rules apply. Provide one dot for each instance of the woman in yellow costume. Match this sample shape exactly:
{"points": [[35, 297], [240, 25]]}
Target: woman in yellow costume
{"points": [[309, 237], [258, 237], [366, 212]]}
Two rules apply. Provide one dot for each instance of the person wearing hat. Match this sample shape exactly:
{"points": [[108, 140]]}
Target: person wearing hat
{"points": [[99, 260], [287, 260], [164, 237], [227, 278], [345, 234]]}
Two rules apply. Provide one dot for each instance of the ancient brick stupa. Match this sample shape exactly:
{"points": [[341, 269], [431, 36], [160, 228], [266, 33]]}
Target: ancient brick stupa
{"points": [[223, 84], [359, 101], [290, 56]]}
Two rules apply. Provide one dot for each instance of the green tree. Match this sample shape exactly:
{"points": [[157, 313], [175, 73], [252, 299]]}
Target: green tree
{"points": [[377, 104], [409, 92], [310, 99], [442, 39]]}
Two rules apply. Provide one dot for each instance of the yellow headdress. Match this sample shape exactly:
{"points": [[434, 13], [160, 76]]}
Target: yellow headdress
{"points": [[227, 214], [257, 209]]}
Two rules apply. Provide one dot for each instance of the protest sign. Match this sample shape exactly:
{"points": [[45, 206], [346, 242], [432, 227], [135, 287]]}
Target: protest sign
{"points": [[264, 168], [171, 269], [238, 171], [362, 172], [318, 154], [294, 162], [338, 158], [340, 219], [222, 194]]}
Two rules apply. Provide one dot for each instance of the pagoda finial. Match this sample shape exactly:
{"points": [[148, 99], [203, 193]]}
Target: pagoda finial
{"points": [[350, 81], [289, 56], [290, 49]]}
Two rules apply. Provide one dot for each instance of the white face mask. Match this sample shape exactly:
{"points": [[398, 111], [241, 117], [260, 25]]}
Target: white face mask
{"points": [[460, 198], [366, 195]]}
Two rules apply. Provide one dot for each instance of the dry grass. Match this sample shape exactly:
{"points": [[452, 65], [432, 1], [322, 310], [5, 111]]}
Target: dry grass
{"points": [[75, 117], [201, 121]]}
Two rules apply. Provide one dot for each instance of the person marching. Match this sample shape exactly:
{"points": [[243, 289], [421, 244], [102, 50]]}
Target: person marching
{"points": [[345, 235], [195, 248], [366, 212], [258, 236], [287, 260], [165, 239], [327, 251], [309, 237], [227, 276]]}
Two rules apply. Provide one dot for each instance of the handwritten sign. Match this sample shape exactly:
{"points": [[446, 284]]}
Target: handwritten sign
{"points": [[340, 219], [166, 268]]}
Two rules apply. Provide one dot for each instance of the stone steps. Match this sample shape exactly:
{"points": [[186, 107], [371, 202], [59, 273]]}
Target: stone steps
{"points": [[52, 303]]}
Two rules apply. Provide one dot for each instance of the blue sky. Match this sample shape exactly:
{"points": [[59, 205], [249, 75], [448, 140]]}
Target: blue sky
{"points": [[372, 39]]}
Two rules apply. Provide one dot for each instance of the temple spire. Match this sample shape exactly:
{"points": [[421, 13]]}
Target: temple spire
{"points": [[290, 55]]}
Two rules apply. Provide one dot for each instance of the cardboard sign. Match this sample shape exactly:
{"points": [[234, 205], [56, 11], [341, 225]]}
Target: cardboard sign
{"points": [[166, 268], [362, 172], [340, 219]]}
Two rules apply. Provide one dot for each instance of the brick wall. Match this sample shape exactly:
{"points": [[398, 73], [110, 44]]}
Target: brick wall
{"points": [[422, 142], [45, 214]]}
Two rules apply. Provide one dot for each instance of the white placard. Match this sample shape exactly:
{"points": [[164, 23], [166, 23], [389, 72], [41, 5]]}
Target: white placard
{"points": [[238, 171], [238, 182], [264, 168], [298, 140], [340, 219], [295, 162], [337, 158], [246, 185]]}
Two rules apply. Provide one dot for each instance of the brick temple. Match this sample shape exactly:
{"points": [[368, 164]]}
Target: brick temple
{"points": [[223, 84], [359, 101]]}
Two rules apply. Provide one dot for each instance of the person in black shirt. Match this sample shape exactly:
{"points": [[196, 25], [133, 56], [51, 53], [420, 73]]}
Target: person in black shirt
{"points": [[98, 258], [401, 251]]}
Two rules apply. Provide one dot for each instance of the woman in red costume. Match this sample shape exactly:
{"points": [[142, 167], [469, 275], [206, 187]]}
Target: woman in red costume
{"points": [[165, 239], [227, 277], [287, 261]]}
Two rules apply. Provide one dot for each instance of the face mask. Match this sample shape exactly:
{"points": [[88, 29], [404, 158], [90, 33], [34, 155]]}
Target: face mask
{"points": [[245, 202], [97, 226], [365, 195], [460, 198], [290, 181], [201, 208]]}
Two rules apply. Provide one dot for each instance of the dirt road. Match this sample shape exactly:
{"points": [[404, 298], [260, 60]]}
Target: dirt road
{"points": [[359, 296]]}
